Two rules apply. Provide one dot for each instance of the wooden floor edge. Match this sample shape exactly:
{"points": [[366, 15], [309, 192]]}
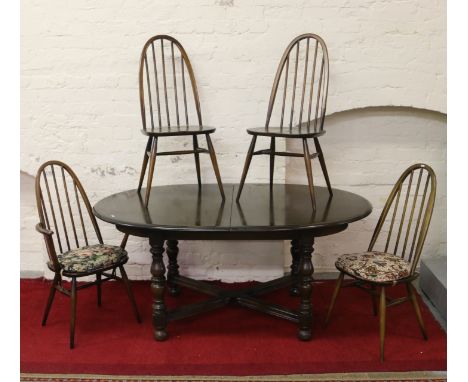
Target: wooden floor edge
{"points": [[374, 376]]}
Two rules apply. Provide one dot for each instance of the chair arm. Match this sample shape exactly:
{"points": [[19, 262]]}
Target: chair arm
{"points": [[49, 244], [44, 231]]}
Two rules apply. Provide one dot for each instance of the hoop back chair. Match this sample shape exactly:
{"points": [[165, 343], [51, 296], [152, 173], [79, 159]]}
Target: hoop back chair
{"points": [[170, 105], [64, 215], [297, 107], [395, 247]]}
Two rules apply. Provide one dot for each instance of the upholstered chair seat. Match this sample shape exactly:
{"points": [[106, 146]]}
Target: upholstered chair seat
{"points": [[378, 267], [400, 234], [63, 208], [91, 258]]}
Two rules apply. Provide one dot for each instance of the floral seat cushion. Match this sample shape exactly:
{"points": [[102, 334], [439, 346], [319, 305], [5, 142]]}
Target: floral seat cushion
{"points": [[91, 257], [374, 266]]}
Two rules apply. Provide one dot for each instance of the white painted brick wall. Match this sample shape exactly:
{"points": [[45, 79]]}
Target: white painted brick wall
{"points": [[366, 151], [79, 98]]}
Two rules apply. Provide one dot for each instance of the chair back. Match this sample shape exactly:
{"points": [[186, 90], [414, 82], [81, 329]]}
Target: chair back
{"points": [[404, 221], [168, 90], [302, 83], [64, 208]]}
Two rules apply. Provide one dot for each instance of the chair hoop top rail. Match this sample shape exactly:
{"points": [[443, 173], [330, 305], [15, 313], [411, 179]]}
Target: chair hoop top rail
{"points": [[316, 94], [411, 222], [61, 200], [152, 57]]}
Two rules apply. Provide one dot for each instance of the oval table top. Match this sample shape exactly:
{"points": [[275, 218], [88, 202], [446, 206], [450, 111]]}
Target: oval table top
{"points": [[186, 208]]}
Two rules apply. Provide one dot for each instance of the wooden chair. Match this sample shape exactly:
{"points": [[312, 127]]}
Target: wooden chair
{"points": [[64, 213], [166, 111], [400, 234], [299, 111]]}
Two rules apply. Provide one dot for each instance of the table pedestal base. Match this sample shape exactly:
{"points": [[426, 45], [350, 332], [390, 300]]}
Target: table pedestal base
{"points": [[300, 281]]}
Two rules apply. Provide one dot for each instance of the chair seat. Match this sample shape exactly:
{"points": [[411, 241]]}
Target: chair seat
{"points": [[166, 131], [92, 257], [374, 266], [286, 132]]}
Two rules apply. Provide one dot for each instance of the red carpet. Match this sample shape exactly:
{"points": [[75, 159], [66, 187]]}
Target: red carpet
{"points": [[230, 341]]}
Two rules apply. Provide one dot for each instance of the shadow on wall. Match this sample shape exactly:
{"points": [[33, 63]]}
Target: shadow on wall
{"points": [[31, 259], [366, 150]]}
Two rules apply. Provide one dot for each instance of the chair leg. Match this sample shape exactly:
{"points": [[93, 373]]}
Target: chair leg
{"points": [[144, 164], [128, 287], [308, 166], [321, 158], [197, 160], [154, 149], [215, 165], [339, 282], [98, 286], [383, 307], [50, 300], [246, 166], [73, 313], [374, 300], [414, 301], [272, 161]]}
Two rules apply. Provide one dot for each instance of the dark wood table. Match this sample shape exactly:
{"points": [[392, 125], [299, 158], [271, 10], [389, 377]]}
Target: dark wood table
{"points": [[185, 212]]}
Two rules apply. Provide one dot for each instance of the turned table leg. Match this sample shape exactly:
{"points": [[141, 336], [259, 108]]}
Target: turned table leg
{"points": [[172, 251], [295, 254], [158, 283], [306, 270]]}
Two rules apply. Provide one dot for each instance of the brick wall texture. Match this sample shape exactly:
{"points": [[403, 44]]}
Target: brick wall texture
{"points": [[386, 106]]}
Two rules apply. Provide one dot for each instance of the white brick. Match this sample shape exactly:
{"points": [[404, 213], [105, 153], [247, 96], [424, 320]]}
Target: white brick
{"points": [[79, 103]]}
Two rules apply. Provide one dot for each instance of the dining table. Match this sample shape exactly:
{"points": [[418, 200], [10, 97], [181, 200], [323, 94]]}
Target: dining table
{"points": [[265, 212]]}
